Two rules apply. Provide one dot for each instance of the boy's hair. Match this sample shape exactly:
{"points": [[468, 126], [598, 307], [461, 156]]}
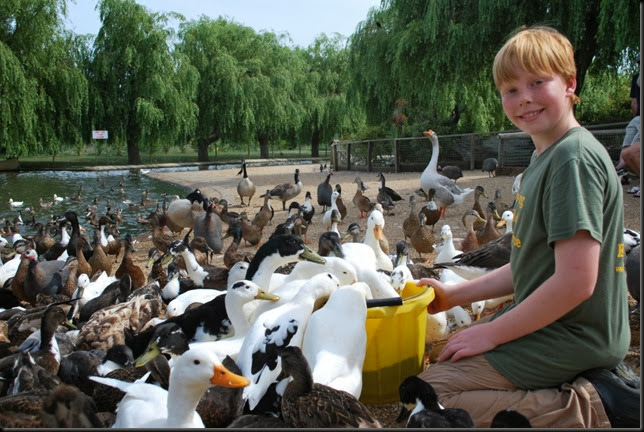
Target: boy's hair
{"points": [[538, 49]]}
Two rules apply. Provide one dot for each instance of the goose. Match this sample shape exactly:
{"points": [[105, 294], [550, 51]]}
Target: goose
{"points": [[448, 252], [245, 187], [280, 326], [489, 165], [362, 202], [430, 210], [421, 408], [324, 192], [326, 217], [335, 339], [307, 404], [339, 203], [146, 405], [447, 192], [287, 191]]}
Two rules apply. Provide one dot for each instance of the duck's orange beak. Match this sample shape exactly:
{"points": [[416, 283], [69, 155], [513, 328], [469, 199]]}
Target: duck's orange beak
{"points": [[225, 378]]}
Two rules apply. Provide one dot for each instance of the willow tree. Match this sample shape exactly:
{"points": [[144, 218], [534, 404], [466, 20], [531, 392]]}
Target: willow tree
{"points": [[439, 54], [142, 98], [325, 93], [44, 94]]}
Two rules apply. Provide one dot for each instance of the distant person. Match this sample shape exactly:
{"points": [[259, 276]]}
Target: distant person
{"points": [[633, 128], [550, 354]]}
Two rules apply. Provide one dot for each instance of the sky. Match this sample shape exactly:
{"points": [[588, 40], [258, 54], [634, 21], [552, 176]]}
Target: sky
{"points": [[304, 20]]}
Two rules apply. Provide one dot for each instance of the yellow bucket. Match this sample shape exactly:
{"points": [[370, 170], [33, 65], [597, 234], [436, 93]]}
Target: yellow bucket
{"points": [[395, 344]]}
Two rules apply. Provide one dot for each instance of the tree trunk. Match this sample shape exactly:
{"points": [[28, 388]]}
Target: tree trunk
{"points": [[263, 147], [202, 147], [315, 143], [133, 156]]}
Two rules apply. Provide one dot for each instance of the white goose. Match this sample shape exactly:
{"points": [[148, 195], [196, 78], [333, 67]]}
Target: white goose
{"points": [[447, 192], [279, 327], [335, 340], [150, 406]]}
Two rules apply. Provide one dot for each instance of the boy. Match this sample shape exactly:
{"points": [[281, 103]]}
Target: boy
{"points": [[570, 310]]}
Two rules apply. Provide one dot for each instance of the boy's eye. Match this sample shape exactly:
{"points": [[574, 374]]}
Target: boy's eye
{"points": [[538, 82]]}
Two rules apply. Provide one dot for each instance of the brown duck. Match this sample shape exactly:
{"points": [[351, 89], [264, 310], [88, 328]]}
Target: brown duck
{"points": [[160, 239], [410, 224], [478, 193], [423, 239], [265, 214], [342, 208], [232, 255], [128, 266], [431, 211], [362, 202], [99, 261], [470, 241], [489, 231]]}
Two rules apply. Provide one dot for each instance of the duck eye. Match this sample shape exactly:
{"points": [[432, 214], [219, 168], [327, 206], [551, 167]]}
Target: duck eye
{"points": [[196, 362]]}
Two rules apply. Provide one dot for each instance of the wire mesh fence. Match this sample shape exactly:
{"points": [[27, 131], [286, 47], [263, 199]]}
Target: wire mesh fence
{"points": [[467, 151]]}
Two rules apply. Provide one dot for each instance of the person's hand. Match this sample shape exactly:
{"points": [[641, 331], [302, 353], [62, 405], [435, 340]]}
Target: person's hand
{"points": [[441, 296], [476, 339]]}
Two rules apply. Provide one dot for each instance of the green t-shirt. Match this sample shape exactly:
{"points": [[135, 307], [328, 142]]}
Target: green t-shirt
{"points": [[571, 186]]}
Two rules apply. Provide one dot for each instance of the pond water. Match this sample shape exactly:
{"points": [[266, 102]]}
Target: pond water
{"points": [[100, 187]]}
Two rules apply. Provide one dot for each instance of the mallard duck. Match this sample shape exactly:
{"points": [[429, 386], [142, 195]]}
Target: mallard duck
{"points": [[362, 202], [478, 193], [339, 203], [307, 404], [430, 210], [335, 340], [277, 327], [146, 405], [324, 192], [448, 252], [265, 214], [64, 407], [128, 266], [447, 192], [423, 240], [411, 221], [287, 191], [489, 165], [453, 172], [245, 187], [470, 242], [208, 225], [420, 407], [489, 231]]}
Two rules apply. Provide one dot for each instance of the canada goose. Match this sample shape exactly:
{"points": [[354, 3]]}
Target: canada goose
{"points": [[287, 191], [245, 187]]}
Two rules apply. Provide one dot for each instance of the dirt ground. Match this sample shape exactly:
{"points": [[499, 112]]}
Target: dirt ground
{"points": [[223, 184]]}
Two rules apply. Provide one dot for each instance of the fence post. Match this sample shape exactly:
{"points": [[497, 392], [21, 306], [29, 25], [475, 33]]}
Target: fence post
{"points": [[334, 156], [396, 156], [500, 151], [369, 151], [348, 157]]}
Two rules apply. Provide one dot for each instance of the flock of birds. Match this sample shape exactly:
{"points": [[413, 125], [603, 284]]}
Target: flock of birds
{"points": [[271, 338]]}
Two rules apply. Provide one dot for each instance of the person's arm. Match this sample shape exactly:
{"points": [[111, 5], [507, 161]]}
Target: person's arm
{"points": [[574, 279], [497, 283]]}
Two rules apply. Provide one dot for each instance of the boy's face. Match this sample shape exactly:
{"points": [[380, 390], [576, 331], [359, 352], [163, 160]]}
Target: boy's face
{"points": [[538, 104]]}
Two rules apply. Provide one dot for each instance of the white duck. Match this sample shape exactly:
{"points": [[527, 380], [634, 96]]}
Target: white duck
{"points": [[335, 340], [278, 327], [373, 234], [437, 327], [87, 289], [447, 192], [150, 406], [448, 252], [301, 273], [13, 203], [507, 217], [326, 217]]}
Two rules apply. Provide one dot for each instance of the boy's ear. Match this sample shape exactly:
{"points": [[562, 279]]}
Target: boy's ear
{"points": [[571, 87]]}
